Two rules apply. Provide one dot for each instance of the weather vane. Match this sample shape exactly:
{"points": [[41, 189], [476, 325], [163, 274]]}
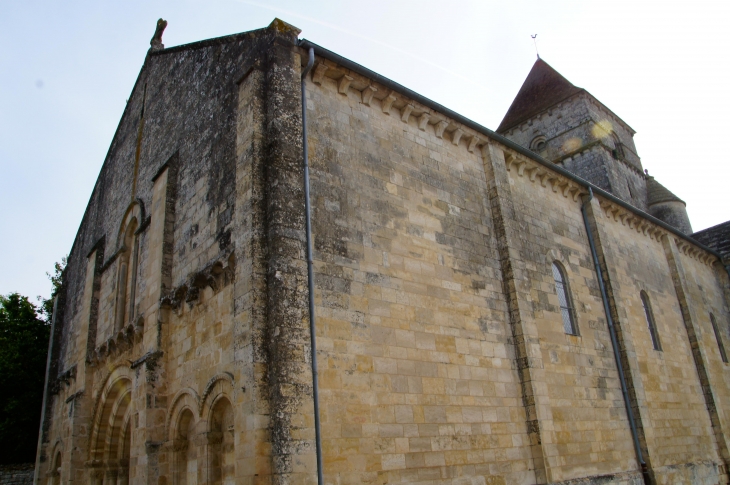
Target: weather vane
{"points": [[534, 40]]}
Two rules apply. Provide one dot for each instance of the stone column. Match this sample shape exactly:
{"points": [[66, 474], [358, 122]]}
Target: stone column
{"points": [[516, 286]]}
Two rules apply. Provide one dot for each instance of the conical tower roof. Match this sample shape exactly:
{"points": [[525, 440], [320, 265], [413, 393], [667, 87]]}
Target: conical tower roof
{"points": [[543, 88], [656, 192]]}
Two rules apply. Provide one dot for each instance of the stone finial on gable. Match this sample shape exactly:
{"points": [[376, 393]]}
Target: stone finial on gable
{"points": [[156, 42], [283, 27]]}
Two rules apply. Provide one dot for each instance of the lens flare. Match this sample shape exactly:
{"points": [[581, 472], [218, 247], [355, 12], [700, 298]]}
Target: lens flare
{"points": [[602, 129], [571, 145]]}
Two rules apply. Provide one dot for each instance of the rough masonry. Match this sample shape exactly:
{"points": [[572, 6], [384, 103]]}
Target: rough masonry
{"points": [[461, 331]]}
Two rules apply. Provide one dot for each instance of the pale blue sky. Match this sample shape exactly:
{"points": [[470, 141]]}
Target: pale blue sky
{"points": [[67, 68]]}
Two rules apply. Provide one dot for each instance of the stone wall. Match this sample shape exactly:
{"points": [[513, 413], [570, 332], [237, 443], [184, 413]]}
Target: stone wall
{"points": [[16, 474], [587, 139], [183, 351], [125, 384], [417, 381], [395, 192]]}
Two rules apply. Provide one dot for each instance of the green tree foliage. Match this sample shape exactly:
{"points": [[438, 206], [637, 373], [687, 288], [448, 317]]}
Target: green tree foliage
{"points": [[23, 348], [46, 308]]}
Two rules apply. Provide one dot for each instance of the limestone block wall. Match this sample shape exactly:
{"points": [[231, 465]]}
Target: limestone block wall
{"points": [[674, 416], [707, 293], [568, 385], [589, 432], [417, 382], [181, 346]]}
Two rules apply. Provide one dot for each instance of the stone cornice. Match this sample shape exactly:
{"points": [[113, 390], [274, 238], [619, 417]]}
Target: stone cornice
{"points": [[522, 166], [392, 95], [653, 231], [392, 103]]}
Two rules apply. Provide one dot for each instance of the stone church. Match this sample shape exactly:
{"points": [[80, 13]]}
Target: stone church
{"points": [[525, 306]]}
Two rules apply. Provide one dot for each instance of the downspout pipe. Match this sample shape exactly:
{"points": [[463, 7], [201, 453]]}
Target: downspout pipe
{"points": [[310, 270], [614, 340]]}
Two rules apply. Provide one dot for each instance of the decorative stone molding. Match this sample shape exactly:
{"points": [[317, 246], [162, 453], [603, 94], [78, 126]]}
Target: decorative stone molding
{"points": [[64, 379], [440, 127], [122, 341], [344, 85], [367, 94], [423, 121], [344, 80], [520, 165], [695, 253], [632, 220], [216, 275], [405, 113], [642, 226], [388, 103], [226, 376], [319, 72], [473, 142]]}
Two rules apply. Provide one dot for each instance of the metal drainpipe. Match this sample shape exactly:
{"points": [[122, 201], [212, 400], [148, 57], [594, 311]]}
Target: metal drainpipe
{"points": [[614, 342], [310, 271]]}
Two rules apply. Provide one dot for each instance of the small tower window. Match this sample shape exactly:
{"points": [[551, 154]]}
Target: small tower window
{"points": [[538, 144], [650, 321], [720, 345], [566, 302], [618, 147]]}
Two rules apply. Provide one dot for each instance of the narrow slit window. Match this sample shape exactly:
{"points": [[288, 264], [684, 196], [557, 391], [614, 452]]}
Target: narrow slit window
{"points": [[718, 338], [566, 302], [650, 321]]}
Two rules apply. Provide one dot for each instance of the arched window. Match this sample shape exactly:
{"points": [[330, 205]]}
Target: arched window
{"points": [[723, 355], [127, 277], [538, 144], [650, 321], [186, 457], [618, 150], [221, 442], [55, 474], [566, 302]]}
